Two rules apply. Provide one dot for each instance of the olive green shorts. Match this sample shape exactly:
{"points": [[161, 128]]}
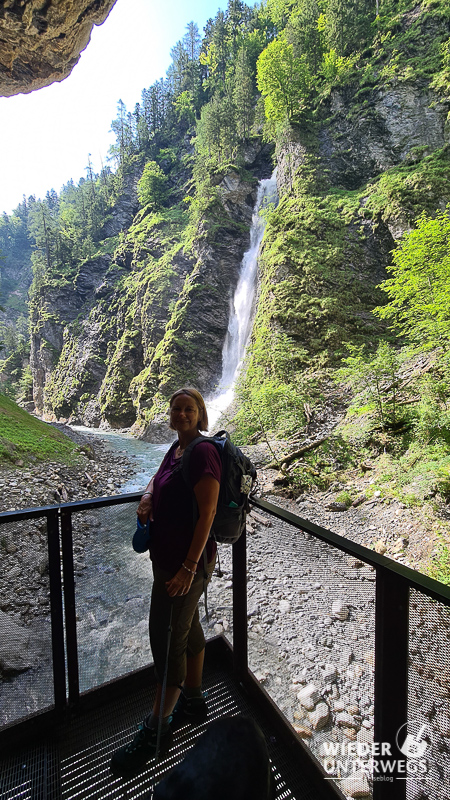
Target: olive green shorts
{"points": [[187, 637]]}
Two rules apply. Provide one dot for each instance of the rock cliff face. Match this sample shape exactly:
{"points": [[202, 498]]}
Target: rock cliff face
{"points": [[350, 185], [40, 42], [358, 142], [133, 326], [68, 350]]}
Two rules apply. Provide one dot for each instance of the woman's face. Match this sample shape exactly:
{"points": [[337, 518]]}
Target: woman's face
{"points": [[184, 414]]}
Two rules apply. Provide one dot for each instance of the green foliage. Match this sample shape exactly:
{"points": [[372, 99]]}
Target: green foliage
{"points": [[405, 191], [407, 44], [345, 498], [217, 142], [336, 69], [273, 408], [439, 568], [284, 81], [184, 107], [441, 80], [374, 378], [152, 186], [22, 436], [431, 415], [114, 397], [419, 289], [346, 24]]}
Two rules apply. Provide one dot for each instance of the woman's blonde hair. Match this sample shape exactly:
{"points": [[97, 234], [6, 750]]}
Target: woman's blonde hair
{"points": [[202, 423]]}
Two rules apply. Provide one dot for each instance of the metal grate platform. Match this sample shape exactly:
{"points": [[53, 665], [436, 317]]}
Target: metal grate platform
{"points": [[74, 761]]}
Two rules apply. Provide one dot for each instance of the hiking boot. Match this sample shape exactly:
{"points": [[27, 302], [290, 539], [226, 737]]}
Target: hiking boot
{"points": [[189, 710], [129, 760]]}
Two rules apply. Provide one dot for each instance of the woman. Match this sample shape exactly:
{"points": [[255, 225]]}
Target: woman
{"points": [[176, 550]]}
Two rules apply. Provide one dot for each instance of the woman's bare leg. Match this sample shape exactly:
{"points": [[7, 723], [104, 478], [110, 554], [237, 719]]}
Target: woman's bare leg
{"points": [[194, 671]]}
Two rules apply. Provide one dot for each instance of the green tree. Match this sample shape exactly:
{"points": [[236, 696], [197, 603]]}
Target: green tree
{"points": [[214, 53], [243, 95], [375, 379], [280, 12], [122, 128], [419, 289], [217, 139], [184, 108], [283, 80], [152, 186], [236, 18], [304, 33], [347, 24], [192, 41]]}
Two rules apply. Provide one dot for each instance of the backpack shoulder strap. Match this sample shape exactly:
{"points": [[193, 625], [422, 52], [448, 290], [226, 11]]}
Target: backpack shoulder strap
{"points": [[186, 457]]}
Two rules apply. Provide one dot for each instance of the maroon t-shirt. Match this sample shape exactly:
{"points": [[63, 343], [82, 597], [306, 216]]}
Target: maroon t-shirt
{"points": [[173, 512]]}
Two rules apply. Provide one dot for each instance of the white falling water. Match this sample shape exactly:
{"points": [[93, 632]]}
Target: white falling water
{"points": [[241, 307]]}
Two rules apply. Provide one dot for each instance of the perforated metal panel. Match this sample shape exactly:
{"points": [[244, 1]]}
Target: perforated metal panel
{"points": [[112, 590], [112, 595], [26, 685], [76, 763], [313, 624], [428, 766]]}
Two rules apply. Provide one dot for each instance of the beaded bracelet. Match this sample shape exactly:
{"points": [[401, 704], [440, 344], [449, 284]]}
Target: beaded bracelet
{"points": [[192, 571]]}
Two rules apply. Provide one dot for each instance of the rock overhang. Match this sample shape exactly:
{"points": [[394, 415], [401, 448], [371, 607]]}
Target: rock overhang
{"points": [[41, 40]]}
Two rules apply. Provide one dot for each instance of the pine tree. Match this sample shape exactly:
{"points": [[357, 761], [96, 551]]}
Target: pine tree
{"points": [[243, 96]]}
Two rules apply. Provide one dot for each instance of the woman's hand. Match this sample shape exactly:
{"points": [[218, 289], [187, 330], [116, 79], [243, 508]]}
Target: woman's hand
{"points": [[180, 584], [145, 508]]}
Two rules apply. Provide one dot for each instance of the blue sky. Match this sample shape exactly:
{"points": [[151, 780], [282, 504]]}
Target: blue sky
{"points": [[46, 136]]}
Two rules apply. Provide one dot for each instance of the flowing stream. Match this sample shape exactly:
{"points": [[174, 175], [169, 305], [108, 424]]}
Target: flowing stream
{"points": [[113, 587]]}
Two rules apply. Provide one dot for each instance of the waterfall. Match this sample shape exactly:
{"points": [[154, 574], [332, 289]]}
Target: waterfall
{"points": [[241, 307]]}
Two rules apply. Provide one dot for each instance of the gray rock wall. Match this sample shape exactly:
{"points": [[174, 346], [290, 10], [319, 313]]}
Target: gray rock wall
{"points": [[361, 139]]}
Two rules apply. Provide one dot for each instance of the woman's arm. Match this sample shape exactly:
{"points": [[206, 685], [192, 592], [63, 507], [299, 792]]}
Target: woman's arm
{"points": [[145, 507], [206, 492]]}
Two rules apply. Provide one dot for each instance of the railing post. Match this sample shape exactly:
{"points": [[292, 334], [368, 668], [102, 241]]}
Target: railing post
{"points": [[391, 676], [69, 606], [240, 651], [56, 609]]}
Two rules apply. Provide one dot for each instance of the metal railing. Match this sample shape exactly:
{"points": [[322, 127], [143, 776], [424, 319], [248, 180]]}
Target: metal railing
{"points": [[395, 585]]}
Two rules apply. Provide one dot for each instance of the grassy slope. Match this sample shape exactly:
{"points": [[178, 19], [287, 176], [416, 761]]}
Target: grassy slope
{"points": [[25, 438]]}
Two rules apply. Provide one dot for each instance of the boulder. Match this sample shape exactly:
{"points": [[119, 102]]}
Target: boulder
{"points": [[339, 610], [320, 716]]}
